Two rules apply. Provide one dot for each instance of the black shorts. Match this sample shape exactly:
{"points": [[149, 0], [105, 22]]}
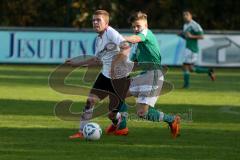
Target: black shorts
{"points": [[116, 89]]}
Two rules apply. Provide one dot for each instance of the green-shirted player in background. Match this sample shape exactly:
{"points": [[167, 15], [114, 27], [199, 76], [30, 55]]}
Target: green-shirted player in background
{"points": [[192, 32], [147, 86]]}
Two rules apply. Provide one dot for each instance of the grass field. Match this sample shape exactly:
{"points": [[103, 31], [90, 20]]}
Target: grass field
{"points": [[30, 131]]}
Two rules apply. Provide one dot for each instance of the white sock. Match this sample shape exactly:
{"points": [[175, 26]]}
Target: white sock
{"points": [[86, 116]]}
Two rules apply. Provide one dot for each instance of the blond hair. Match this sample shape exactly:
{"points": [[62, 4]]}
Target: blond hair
{"points": [[104, 13], [137, 16]]}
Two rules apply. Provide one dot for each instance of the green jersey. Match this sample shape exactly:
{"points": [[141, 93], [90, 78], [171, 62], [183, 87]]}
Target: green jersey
{"points": [[148, 49], [195, 29]]}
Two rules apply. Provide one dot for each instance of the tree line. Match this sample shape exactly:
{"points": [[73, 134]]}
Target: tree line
{"points": [[162, 14]]}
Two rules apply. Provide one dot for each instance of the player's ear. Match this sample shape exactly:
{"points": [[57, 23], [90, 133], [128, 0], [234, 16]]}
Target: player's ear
{"points": [[106, 22]]}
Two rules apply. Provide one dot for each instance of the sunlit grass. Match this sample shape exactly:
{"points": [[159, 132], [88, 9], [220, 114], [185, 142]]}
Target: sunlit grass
{"points": [[30, 130]]}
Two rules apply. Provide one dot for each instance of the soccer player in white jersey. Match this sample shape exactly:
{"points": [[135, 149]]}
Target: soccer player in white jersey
{"points": [[107, 47], [192, 32]]}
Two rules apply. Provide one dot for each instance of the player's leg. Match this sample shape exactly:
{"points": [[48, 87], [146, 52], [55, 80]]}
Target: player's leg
{"points": [[97, 93], [86, 114], [186, 75], [147, 91], [119, 120], [187, 63], [205, 70], [92, 100], [118, 115], [146, 110], [198, 69], [121, 87]]}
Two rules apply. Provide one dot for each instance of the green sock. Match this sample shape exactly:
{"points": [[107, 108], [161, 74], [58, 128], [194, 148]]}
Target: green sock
{"points": [[123, 111], [200, 70], [122, 108], [157, 116], [153, 114], [168, 118], [186, 77], [123, 123]]}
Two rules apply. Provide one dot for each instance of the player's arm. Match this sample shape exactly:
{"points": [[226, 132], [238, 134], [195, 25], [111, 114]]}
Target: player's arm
{"points": [[198, 33], [192, 36], [77, 63], [121, 56], [181, 34], [133, 39]]}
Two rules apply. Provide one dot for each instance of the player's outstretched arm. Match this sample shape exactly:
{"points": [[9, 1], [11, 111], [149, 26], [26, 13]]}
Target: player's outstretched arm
{"points": [[133, 39], [121, 56], [89, 62]]}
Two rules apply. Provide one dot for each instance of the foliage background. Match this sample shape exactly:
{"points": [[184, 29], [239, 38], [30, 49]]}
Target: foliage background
{"points": [[162, 14]]}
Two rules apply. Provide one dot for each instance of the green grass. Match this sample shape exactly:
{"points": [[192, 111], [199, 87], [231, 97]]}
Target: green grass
{"points": [[29, 130]]}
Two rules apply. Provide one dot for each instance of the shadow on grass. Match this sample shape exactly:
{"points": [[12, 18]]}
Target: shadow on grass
{"points": [[34, 78], [195, 113], [204, 84], [141, 143], [199, 82]]}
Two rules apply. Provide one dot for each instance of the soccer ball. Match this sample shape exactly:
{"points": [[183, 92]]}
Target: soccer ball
{"points": [[92, 131]]}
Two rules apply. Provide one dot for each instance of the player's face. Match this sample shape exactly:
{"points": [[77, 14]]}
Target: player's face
{"points": [[99, 23], [187, 17], [139, 25]]}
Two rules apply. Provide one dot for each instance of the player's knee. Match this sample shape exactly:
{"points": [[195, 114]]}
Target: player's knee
{"points": [[142, 110], [91, 101], [191, 68], [184, 67], [141, 113]]}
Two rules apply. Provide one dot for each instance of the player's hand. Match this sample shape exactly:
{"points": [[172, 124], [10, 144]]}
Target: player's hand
{"points": [[181, 35], [126, 38], [70, 62]]}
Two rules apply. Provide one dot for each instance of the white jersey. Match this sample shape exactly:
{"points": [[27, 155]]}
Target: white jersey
{"points": [[106, 49]]}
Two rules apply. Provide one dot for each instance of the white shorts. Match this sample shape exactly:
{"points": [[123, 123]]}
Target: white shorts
{"points": [[190, 57], [147, 87]]}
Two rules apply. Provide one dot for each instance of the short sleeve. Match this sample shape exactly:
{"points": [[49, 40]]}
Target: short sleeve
{"points": [[114, 36], [142, 36], [198, 29]]}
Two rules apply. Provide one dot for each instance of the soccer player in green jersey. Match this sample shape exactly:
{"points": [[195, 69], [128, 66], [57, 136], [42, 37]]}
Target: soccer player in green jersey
{"points": [[147, 85], [192, 32]]}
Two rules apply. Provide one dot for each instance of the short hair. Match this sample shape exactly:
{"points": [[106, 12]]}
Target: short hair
{"points": [[103, 13], [137, 16], [187, 10]]}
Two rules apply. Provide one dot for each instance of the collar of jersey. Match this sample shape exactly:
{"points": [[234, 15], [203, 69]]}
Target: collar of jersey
{"points": [[144, 31], [100, 36]]}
